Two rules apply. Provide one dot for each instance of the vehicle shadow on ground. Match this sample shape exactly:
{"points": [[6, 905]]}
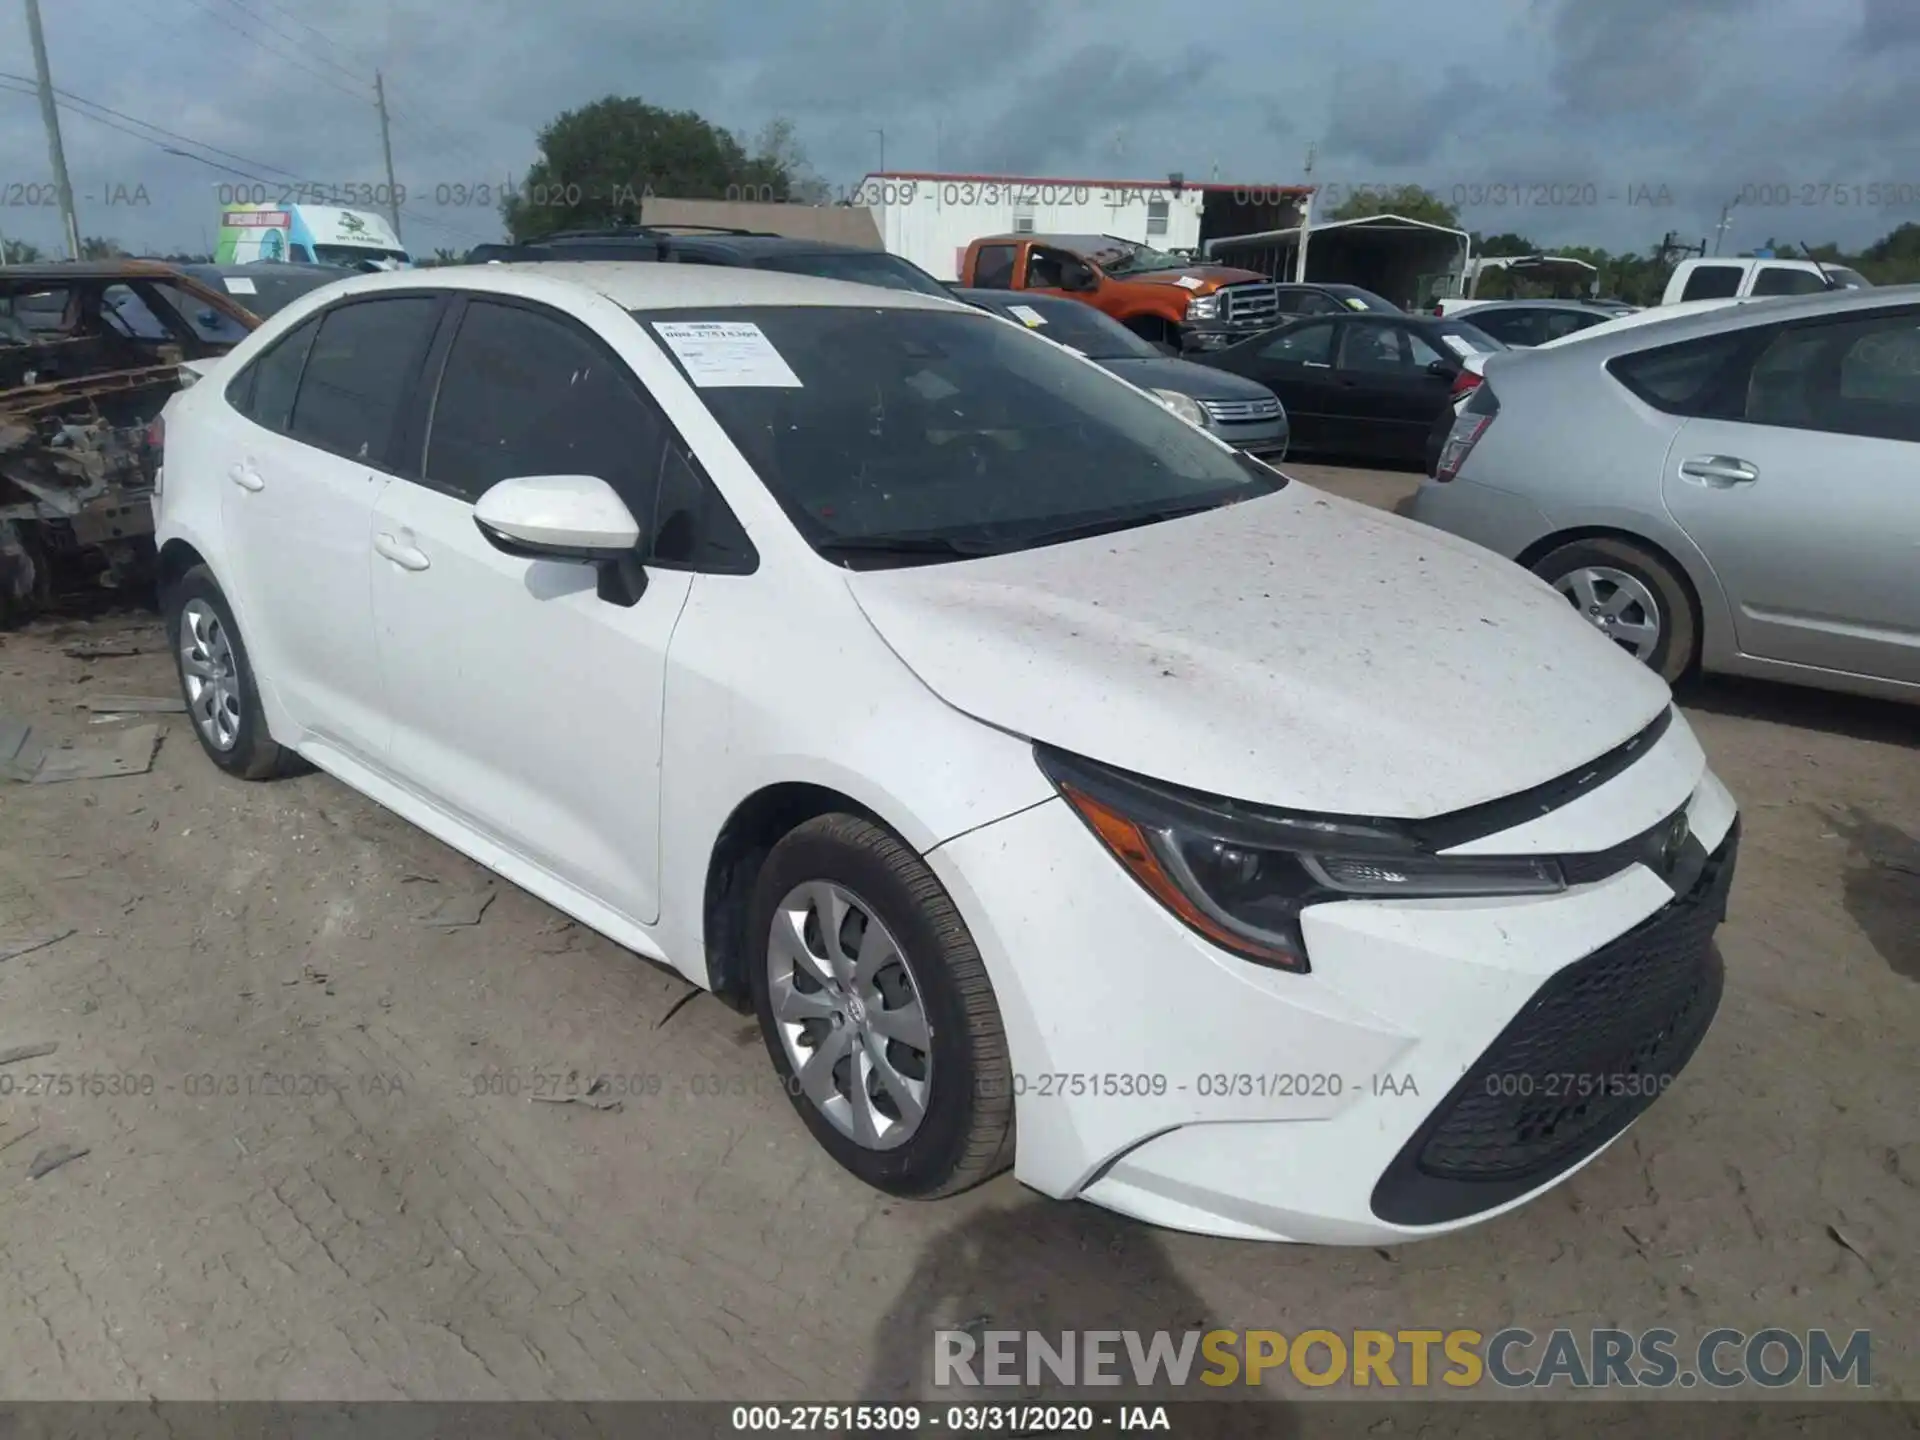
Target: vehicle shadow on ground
{"points": [[1050, 1266], [1882, 887], [1859, 717]]}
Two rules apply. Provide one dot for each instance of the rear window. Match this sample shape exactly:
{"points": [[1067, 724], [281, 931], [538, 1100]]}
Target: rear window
{"points": [[1712, 282], [1787, 280], [1080, 327], [890, 272]]}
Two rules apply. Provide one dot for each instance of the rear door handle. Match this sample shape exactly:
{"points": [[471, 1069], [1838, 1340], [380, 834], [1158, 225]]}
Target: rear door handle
{"points": [[407, 557], [245, 477], [1719, 470]]}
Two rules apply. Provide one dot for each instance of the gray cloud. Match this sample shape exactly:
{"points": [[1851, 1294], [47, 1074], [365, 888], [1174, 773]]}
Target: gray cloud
{"points": [[1696, 96]]}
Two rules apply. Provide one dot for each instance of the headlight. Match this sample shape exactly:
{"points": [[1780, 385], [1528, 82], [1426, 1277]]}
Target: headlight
{"points": [[1240, 875], [1204, 307], [1185, 406]]}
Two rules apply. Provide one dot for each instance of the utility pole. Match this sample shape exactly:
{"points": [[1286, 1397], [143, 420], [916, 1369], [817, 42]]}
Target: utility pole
{"points": [[1726, 219], [386, 149], [55, 151]]}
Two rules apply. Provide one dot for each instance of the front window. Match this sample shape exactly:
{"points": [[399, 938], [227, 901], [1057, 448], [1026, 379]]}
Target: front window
{"points": [[896, 435], [876, 267]]}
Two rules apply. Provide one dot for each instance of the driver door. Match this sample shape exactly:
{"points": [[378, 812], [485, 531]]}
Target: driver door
{"points": [[522, 702]]}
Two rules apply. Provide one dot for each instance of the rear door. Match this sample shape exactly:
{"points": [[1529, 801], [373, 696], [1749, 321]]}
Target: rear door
{"points": [[523, 703], [303, 472], [1388, 391], [1802, 487]]}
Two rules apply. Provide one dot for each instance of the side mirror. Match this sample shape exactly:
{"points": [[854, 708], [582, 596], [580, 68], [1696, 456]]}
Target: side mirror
{"points": [[1080, 278], [1443, 369], [576, 519]]}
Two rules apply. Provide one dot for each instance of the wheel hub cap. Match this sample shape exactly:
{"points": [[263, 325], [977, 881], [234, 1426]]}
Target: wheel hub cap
{"points": [[208, 670], [849, 1014], [1618, 605]]}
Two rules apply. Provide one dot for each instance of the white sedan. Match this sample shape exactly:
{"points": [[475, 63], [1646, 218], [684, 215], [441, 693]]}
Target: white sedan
{"points": [[1059, 787]]}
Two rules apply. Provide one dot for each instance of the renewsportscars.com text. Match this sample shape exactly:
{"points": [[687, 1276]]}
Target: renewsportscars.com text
{"points": [[1512, 1358]]}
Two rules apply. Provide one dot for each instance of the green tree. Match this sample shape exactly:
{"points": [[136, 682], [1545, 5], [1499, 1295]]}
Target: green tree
{"points": [[1505, 243], [599, 162], [98, 247], [1415, 202], [20, 252]]}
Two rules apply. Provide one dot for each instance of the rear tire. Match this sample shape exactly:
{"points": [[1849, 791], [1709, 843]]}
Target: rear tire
{"points": [[1636, 587], [216, 679], [923, 1116]]}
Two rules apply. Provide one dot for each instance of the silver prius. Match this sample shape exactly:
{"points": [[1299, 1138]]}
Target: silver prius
{"points": [[1735, 491]]}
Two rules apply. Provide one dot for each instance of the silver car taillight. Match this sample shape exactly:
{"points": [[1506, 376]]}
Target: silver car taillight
{"points": [[1468, 427]]}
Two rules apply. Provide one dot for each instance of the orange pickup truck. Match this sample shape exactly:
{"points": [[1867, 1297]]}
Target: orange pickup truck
{"points": [[1156, 295]]}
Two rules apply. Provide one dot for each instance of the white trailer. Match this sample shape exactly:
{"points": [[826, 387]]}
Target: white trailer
{"points": [[931, 218]]}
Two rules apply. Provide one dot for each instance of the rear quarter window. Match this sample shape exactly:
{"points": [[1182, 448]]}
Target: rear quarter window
{"points": [[1691, 378]]}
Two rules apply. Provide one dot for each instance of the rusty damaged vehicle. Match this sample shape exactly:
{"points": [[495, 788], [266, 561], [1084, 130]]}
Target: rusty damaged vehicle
{"points": [[89, 353]]}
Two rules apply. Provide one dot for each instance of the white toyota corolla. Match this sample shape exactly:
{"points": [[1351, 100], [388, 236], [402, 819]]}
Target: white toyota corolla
{"points": [[1059, 787]]}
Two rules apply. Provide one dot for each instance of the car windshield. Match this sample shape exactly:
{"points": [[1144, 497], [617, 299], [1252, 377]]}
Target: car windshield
{"points": [[1080, 327], [1358, 298], [875, 267], [265, 289], [898, 435], [360, 257], [1123, 257], [1458, 333]]}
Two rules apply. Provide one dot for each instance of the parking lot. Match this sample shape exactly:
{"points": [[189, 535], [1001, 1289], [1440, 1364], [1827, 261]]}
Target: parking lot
{"points": [[302, 1041]]}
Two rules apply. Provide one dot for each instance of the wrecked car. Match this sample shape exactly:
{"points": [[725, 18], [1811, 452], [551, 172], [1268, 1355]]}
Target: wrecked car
{"points": [[89, 353]]}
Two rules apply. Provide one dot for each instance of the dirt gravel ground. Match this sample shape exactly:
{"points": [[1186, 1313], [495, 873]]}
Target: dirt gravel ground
{"points": [[313, 1169]]}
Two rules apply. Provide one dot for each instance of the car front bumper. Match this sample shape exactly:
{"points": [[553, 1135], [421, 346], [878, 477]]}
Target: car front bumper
{"points": [[1383, 1096]]}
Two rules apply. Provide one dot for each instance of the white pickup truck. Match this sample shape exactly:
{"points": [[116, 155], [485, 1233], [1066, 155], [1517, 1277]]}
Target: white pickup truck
{"points": [[1741, 277]]}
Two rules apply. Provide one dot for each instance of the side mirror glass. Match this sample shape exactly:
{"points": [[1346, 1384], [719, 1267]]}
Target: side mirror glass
{"points": [[1081, 278], [576, 519], [1442, 368]]}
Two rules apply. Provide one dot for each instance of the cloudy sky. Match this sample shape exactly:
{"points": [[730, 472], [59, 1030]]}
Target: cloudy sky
{"points": [[1667, 109]]}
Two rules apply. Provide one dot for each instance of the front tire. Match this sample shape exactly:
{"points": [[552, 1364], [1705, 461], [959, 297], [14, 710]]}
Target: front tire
{"points": [[1632, 596], [216, 679], [877, 1011]]}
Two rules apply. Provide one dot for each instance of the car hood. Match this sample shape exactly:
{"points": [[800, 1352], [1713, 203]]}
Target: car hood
{"points": [[1200, 381], [1211, 276], [1295, 650]]}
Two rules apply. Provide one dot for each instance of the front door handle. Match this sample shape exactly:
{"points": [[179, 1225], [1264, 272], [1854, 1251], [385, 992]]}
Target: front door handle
{"points": [[407, 557], [1719, 471], [245, 477]]}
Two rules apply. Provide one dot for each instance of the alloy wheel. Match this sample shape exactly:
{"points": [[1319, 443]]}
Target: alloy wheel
{"points": [[849, 1014], [1617, 604], [207, 665]]}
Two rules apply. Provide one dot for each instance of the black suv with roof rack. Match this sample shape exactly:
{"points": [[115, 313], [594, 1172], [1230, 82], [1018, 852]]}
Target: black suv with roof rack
{"points": [[716, 245]]}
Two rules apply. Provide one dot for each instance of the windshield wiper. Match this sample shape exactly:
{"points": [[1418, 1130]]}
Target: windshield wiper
{"points": [[1089, 528], [934, 545]]}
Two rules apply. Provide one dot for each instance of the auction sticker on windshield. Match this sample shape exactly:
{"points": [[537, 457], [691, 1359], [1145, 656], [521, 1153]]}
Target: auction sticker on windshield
{"points": [[1027, 316], [721, 353], [240, 285]]}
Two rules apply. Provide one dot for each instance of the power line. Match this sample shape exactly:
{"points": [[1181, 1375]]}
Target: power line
{"points": [[269, 26], [296, 62], [157, 129], [72, 103]]}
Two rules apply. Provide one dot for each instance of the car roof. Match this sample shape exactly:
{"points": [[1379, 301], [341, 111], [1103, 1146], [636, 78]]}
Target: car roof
{"points": [[1606, 340], [265, 267], [742, 243], [649, 285], [51, 271], [1578, 307]]}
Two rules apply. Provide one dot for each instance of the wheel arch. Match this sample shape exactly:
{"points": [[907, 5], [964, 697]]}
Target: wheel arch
{"points": [[747, 837], [1715, 624], [177, 557]]}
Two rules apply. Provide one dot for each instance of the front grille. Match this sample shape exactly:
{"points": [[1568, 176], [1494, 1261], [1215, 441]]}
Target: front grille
{"points": [[1241, 412], [1597, 1044], [1249, 303]]}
